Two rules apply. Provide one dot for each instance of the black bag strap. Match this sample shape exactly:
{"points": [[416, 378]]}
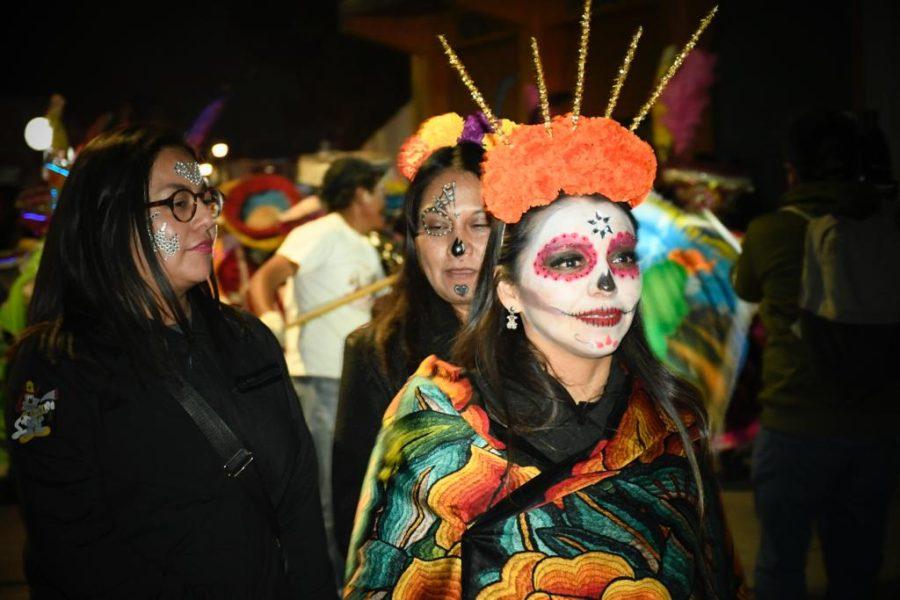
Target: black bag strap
{"points": [[236, 458]]}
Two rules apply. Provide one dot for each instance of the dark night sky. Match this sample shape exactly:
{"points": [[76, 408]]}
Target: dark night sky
{"points": [[291, 79]]}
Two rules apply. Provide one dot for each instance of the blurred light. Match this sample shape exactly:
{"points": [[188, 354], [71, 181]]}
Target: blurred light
{"points": [[219, 150], [206, 169], [39, 134], [34, 217], [57, 169]]}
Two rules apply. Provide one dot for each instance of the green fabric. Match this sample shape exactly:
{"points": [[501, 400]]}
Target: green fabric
{"points": [[13, 315], [769, 272], [13, 312], [665, 305]]}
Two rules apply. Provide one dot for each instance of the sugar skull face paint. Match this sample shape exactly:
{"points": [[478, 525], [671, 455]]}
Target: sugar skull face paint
{"points": [[578, 289], [435, 219], [600, 225], [190, 170], [622, 257], [567, 257], [451, 236]]}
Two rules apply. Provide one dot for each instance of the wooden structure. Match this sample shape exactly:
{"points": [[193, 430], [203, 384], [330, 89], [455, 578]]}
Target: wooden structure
{"points": [[492, 39]]}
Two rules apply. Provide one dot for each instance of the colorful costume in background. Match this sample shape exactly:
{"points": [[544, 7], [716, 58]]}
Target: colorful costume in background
{"points": [[619, 520], [694, 321], [252, 229]]}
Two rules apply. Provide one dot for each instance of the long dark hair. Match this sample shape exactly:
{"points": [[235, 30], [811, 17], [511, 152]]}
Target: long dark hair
{"points": [[89, 284], [501, 355], [414, 319]]}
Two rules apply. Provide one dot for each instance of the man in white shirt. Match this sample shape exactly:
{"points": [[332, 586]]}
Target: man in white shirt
{"points": [[324, 260]]}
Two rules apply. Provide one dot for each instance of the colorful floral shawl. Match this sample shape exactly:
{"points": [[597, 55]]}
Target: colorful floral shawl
{"points": [[619, 521]]}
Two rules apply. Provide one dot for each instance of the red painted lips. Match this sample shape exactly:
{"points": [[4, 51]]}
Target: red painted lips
{"points": [[607, 317]]}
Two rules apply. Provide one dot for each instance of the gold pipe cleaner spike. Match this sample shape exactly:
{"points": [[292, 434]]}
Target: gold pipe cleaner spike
{"points": [[470, 85], [542, 85], [623, 72], [676, 64], [582, 61]]}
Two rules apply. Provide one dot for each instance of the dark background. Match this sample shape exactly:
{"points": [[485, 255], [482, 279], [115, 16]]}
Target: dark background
{"points": [[293, 80]]}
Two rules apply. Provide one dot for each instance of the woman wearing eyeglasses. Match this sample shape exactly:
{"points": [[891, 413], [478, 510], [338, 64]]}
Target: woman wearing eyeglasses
{"points": [[133, 385]]}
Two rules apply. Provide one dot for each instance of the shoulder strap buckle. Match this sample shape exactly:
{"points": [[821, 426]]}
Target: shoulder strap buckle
{"points": [[238, 462]]}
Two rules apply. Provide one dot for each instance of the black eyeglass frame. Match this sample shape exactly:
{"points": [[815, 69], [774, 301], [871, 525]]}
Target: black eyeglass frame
{"points": [[219, 201]]}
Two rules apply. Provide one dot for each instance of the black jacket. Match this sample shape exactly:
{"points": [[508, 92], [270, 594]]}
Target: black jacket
{"points": [[122, 494], [366, 390]]}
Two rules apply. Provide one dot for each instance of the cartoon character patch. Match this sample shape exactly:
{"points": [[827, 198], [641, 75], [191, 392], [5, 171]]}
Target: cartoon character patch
{"points": [[34, 413]]}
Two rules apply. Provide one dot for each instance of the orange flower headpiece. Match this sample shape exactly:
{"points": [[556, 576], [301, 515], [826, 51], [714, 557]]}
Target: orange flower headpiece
{"points": [[569, 154]]}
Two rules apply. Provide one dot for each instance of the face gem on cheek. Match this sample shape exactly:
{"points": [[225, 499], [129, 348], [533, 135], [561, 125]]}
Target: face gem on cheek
{"points": [[167, 245], [461, 290], [565, 241], [623, 242]]}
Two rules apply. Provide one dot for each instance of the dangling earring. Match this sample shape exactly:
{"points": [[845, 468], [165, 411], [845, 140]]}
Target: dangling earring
{"points": [[511, 321]]}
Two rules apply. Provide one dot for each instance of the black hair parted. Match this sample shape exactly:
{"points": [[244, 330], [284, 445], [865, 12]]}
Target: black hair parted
{"points": [[90, 285], [415, 318]]}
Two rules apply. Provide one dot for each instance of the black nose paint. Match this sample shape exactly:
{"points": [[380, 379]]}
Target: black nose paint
{"points": [[606, 282], [458, 248]]}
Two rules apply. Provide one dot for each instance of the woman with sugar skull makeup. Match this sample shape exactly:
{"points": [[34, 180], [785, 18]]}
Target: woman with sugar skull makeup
{"points": [[123, 492], [446, 233], [556, 456]]}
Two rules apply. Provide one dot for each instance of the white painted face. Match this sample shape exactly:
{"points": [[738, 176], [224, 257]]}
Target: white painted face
{"points": [[579, 281]]}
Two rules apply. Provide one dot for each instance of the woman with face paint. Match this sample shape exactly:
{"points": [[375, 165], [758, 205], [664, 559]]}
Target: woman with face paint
{"points": [[555, 456], [124, 389], [446, 233]]}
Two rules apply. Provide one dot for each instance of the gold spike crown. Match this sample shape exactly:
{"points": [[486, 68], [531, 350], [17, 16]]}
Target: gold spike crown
{"points": [[570, 155]]}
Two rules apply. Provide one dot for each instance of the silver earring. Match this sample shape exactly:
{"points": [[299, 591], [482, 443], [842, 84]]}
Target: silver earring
{"points": [[511, 320]]}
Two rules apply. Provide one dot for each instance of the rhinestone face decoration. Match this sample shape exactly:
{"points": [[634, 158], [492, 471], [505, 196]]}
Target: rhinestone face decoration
{"points": [[167, 245], [440, 208], [190, 171]]}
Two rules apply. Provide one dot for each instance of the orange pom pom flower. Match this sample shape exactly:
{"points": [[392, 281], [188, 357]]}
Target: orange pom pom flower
{"points": [[600, 156]]}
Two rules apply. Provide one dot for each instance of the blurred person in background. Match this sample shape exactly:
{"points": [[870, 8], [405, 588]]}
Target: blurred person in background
{"points": [[824, 269], [326, 259]]}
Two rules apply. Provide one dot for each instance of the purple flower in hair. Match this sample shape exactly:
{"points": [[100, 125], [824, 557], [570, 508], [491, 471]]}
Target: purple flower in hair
{"points": [[474, 128]]}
